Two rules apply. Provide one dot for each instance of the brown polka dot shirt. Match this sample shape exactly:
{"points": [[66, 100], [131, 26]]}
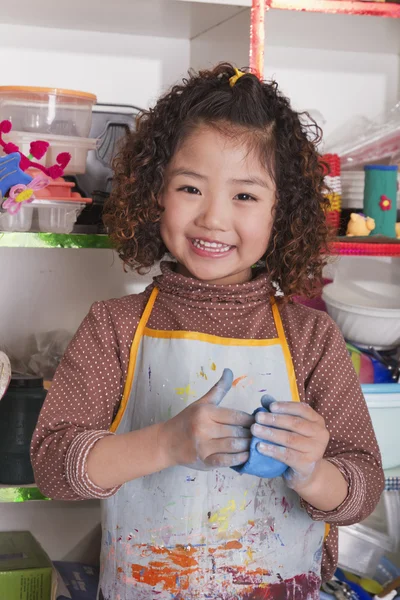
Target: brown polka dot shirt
{"points": [[89, 382]]}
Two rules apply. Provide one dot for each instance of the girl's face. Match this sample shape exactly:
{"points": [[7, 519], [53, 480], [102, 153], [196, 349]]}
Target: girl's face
{"points": [[218, 201]]}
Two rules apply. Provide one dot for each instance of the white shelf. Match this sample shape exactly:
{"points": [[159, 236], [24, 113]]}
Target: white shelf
{"points": [[163, 18]]}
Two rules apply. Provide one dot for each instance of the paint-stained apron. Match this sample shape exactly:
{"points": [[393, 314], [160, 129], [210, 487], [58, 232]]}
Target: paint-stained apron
{"points": [[186, 534]]}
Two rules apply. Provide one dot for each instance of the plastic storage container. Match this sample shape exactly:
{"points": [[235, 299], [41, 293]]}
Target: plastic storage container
{"points": [[361, 549], [366, 311], [21, 221], [383, 401], [47, 216], [58, 216], [19, 412], [78, 147], [47, 110]]}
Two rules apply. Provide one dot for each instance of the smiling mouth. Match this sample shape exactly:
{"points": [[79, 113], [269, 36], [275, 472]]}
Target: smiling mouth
{"points": [[212, 247]]}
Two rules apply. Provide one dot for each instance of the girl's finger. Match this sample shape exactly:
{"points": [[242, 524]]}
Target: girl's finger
{"points": [[219, 390], [227, 446], [229, 416], [227, 460], [291, 458], [230, 431], [287, 422], [297, 409], [288, 439]]}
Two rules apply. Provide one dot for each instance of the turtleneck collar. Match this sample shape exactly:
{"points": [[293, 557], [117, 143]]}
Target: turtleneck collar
{"points": [[259, 289]]}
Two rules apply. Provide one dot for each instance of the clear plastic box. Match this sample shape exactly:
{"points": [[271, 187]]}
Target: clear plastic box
{"points": [[47, 110], [58, 217], [361, 549], [47, 216], [78, 147], [21, 221]]}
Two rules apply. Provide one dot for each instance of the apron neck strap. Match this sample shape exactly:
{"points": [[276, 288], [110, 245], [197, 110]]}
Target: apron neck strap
{"points": [[147, 311], [286, 350]]}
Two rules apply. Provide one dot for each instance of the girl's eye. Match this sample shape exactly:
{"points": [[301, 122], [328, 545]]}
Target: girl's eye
{"points": [[189, 190], [245, 197]]}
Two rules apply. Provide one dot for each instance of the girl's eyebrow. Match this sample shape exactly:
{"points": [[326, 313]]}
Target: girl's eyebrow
{"points": [[252, 180], [187, 172]]}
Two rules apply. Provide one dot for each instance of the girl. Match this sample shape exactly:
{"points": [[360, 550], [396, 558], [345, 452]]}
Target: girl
{"points": [[222, 175]]}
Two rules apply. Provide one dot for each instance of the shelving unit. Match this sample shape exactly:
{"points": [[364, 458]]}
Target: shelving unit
{"points": [[53, 240], [337, 56], [342, 246], [348, 7], [369, 246], [18, 494]]}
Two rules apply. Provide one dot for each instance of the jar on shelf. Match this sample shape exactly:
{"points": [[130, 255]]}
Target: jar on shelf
{"points": [[380, 198], [19, 412]]}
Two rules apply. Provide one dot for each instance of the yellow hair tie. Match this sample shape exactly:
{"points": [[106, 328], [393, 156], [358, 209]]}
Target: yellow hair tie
{"points": [[238, 74]]}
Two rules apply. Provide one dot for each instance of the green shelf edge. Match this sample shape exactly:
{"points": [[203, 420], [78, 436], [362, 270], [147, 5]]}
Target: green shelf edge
{"points": [[53, 240], [18, 494]]}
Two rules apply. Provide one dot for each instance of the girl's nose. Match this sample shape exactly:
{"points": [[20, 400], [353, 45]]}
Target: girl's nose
{"points": [[214, 215]]}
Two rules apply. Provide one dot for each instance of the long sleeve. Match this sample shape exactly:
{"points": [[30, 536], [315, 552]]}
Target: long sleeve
{"points": [[334, 392], [78, 410]]}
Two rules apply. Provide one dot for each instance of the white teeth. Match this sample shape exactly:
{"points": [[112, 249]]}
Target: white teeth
{"points": [[215, 246]]}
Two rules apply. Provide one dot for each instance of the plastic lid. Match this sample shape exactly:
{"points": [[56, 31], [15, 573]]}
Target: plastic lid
{"points": [[381, 168], [45, 90], [26, 381]]}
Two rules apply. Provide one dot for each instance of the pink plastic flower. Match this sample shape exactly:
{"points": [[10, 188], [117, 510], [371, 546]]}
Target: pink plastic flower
{"points": [[24, 194], [385, 203]]}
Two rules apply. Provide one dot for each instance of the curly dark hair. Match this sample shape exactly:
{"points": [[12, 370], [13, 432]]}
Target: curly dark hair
{"points": [[298, 244]]}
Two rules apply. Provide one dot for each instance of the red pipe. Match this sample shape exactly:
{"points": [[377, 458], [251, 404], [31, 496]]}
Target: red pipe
{"points": [[257, 36]]}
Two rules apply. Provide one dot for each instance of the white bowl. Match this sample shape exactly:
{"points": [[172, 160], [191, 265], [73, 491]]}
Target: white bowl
{"points": [[367, 312]]}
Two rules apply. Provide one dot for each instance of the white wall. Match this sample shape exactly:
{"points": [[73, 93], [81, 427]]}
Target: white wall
{"points": [[127, 69], [49, 289], [320, 61]]}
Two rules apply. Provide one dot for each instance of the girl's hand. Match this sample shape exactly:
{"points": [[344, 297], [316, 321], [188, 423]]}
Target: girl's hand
{"points": [[301, 438], [206, 436]]}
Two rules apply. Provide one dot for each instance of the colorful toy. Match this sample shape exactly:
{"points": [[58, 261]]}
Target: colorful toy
{"points": [[359, 225], [362, 364], [11, 173], [37, 150], [372, 366], [21, 193], [380, 192], [331, 166]]}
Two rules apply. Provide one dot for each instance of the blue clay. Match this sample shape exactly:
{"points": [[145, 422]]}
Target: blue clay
{"points": [[258, 464]]}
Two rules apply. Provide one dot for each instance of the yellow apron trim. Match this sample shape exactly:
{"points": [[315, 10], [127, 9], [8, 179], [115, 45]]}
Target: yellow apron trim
{"points": [[327, 530], [132, 359], [286, 351], [204, 337]]}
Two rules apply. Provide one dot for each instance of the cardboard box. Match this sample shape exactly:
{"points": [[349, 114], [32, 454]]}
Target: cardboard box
{"points": [[80, 581], [25, 568]]}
